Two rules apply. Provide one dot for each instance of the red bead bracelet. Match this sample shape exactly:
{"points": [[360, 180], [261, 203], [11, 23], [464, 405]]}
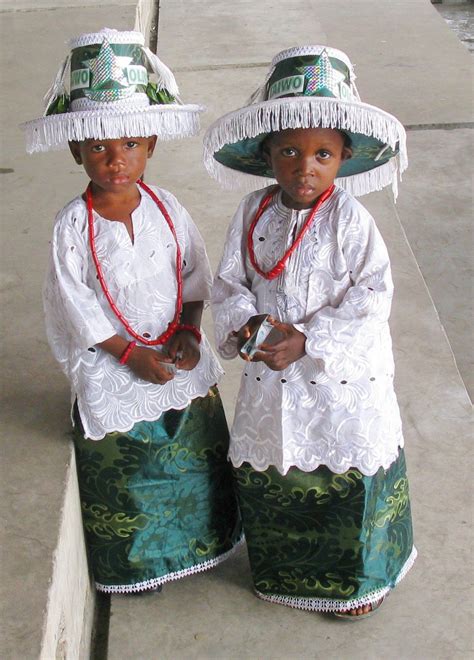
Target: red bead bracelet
{"points": [[190, 328], [126, 354]]}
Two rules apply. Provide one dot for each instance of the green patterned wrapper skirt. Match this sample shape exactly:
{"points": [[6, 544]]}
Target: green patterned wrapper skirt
{"points": [[323, 541], [158, 502]]}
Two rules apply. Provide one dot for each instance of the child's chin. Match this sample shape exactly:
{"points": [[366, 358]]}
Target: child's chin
{"points": [[302, 201]]}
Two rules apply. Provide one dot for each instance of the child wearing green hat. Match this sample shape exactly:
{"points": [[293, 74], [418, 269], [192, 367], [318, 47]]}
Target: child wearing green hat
{"points": [[316, 443], [123, 299]]}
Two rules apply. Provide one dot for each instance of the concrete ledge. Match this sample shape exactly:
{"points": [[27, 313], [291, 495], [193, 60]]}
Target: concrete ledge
{"points": [[71, 596], [46, 600]]}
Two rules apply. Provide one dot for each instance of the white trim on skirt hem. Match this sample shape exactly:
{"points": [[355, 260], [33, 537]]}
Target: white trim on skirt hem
{"points": [[148, 585], [333, 605]]}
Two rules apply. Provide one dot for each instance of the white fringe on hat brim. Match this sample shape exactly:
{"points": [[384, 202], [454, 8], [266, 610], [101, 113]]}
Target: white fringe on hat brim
{"points": [[281, 114], [166, 121]]}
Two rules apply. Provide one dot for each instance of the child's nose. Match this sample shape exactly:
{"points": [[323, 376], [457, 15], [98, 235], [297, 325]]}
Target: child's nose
{"points": [[116, 158], [306, 164]]}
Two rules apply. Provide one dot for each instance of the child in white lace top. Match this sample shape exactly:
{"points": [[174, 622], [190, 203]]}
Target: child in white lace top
{"points": [[123, 300], [317, 440]]}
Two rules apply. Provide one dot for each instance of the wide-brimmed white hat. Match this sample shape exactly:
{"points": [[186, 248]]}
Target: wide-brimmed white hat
{"points": [[308, 87], [103, 91]]}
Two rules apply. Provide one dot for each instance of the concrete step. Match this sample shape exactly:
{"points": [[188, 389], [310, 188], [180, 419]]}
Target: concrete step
{"points": [[46, 600]]}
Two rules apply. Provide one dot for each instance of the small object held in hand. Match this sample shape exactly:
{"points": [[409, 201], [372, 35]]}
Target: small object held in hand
{"points": [[264, 333], [171, 367]]}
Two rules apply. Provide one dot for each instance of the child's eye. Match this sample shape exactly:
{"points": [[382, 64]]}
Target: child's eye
{"points": [[288, 152], [97, 148], [131, 144], [324, 154]]}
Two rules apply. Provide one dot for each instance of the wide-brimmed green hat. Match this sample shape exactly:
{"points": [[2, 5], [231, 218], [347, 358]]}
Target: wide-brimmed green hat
{"points": [[308, 87], [103, 90]]}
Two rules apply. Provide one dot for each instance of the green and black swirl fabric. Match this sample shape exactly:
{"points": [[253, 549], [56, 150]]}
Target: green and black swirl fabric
{"points": [[158, 502], [324, 541]]}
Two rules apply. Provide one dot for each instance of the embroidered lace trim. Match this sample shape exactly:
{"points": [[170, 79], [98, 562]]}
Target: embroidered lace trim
{"points": [[148, 585], [300, 51], [114, 36], [334, 605]]}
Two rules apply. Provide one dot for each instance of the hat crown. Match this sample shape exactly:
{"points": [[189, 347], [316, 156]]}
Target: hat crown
{"points": [[107, 70], [311, 71], [103, 90]]}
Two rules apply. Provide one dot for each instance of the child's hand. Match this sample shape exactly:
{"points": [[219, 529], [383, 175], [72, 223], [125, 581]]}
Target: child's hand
{"points": [[148, 365], [289, 349], [245, 332], [183, 349]]}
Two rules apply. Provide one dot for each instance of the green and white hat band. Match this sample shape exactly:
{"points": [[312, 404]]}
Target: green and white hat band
{"points": [[103, 91], [328, 73], [307, 87], [107, 72]]}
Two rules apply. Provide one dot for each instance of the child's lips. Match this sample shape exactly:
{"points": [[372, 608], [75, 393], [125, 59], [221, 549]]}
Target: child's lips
{"points": [[304, 189], [118, 179]]}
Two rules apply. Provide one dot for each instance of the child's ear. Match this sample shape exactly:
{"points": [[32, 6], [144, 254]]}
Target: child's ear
{"points": [[151, 145], [76, 152], [346, 153]]}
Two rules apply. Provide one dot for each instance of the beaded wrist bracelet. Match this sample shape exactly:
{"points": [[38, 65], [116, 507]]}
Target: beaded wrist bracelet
{"points": [[126, 354], [190, 328]]}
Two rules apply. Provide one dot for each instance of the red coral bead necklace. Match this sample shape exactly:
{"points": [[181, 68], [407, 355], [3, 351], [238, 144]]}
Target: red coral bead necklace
{"points": [[174, 325], [280, 265]]}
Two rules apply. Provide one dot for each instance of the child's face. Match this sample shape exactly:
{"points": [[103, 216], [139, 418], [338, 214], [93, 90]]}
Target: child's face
{"points": [[305, 162], [113, 165]]}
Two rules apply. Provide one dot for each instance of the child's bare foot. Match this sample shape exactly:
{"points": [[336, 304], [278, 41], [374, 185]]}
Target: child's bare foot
{"points": [[365, 609], [361, 612]]}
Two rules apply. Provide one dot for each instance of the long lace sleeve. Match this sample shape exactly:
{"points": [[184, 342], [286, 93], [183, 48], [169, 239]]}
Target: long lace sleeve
{"points": [[74, 318], [197, 274], [341, 336], [233, 302]]}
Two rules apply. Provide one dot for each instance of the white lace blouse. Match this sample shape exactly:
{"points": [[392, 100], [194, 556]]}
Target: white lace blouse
{"points": [[141, 278], [335, 406]]}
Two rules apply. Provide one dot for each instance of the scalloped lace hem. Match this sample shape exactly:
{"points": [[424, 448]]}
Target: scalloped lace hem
{"points": [[334, 605], [199, 392], [148, 585], [384, 462]]}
